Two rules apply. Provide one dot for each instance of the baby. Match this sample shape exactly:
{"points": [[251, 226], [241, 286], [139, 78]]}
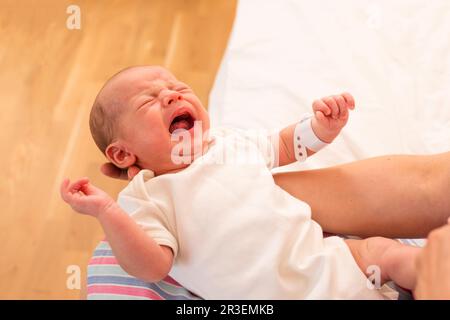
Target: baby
{"points": [[210, 214]]}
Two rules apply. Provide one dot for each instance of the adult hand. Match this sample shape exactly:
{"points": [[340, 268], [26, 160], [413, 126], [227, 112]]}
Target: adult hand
{"points": [[433, 266], [112, 171]]}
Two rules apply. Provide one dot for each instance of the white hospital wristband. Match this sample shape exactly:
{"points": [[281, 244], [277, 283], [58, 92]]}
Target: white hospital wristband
{"points": [[304, 137]]}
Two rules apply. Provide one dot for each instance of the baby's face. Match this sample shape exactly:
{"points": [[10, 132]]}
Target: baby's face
{"points": [[156, 105]]}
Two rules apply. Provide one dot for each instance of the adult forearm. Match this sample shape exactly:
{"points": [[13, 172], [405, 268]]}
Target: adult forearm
{"points": [[137, 253], [393, 196]]}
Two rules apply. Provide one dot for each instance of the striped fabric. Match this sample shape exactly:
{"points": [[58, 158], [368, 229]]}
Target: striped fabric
{"points": [[413, 242], [108, 281]]}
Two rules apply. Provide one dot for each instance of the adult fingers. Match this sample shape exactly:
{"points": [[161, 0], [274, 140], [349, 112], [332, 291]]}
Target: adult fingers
{"points": [[110, 170], [132, 171]]}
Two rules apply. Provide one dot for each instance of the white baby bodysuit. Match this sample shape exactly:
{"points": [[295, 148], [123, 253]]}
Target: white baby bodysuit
{"points": [[235, 234]]}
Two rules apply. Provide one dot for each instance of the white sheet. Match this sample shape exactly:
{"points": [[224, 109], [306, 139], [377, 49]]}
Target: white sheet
{"points": [[393, 56]]}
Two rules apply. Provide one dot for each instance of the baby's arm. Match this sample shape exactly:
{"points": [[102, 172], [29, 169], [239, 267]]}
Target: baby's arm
{"points": [[330, 116], [137, 253]]}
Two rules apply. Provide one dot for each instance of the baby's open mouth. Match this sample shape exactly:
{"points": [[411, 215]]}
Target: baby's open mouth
{"points": [[183, 121]]}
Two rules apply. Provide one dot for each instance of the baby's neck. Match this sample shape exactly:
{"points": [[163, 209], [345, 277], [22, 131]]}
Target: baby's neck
{"points": [[205, 149], [173, 170]]}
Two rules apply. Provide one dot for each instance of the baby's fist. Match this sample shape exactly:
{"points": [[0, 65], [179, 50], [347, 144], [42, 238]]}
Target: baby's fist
{"points": [[85, 198], [331, 115]]}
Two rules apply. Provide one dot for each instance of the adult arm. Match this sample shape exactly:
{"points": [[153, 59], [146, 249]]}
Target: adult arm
{"points": [[391, 196]]}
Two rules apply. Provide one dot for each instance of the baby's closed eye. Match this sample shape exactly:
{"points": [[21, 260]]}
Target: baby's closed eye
{"points": [[182, 89], [180, 86], [147, 102]]}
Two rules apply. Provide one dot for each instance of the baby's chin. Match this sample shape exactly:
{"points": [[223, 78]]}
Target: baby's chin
{"points": [[180, 158], [190, 147]]}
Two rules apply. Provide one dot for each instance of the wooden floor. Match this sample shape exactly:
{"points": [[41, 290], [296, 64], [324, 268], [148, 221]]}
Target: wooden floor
{"points": [[49, 77]]}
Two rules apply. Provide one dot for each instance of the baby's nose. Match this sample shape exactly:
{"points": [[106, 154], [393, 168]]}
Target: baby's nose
{"points": [[171, 97]]}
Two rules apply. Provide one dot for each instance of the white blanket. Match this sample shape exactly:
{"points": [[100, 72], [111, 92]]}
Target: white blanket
{"points": [[392, 55]]}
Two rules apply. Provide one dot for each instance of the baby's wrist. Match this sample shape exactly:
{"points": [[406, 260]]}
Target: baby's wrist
{"points": [[107, 209], [306, 138]]}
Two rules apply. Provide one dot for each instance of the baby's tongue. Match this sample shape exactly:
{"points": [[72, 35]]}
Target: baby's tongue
{"points": [[181, 124]]}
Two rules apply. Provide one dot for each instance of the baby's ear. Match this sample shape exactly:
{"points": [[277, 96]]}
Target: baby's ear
{"points": [[118, 154]]}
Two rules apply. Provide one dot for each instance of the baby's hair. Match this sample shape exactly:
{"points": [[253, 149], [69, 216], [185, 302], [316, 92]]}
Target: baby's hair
{"points": [[102, 123], [104, 116]]}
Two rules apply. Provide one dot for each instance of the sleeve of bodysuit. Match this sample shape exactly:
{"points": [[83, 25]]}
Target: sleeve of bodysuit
{"points": [[147, 214]]}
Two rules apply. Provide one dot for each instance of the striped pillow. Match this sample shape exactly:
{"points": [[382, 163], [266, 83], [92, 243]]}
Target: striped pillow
{"points": [[107, 281]]}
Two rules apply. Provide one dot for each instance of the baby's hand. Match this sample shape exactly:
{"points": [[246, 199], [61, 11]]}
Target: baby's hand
{"points": [[331, 115], [85, 198]]}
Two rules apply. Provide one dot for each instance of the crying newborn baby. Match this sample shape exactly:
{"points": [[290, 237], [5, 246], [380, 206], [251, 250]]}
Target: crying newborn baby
{"points": [[205, 208]]}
